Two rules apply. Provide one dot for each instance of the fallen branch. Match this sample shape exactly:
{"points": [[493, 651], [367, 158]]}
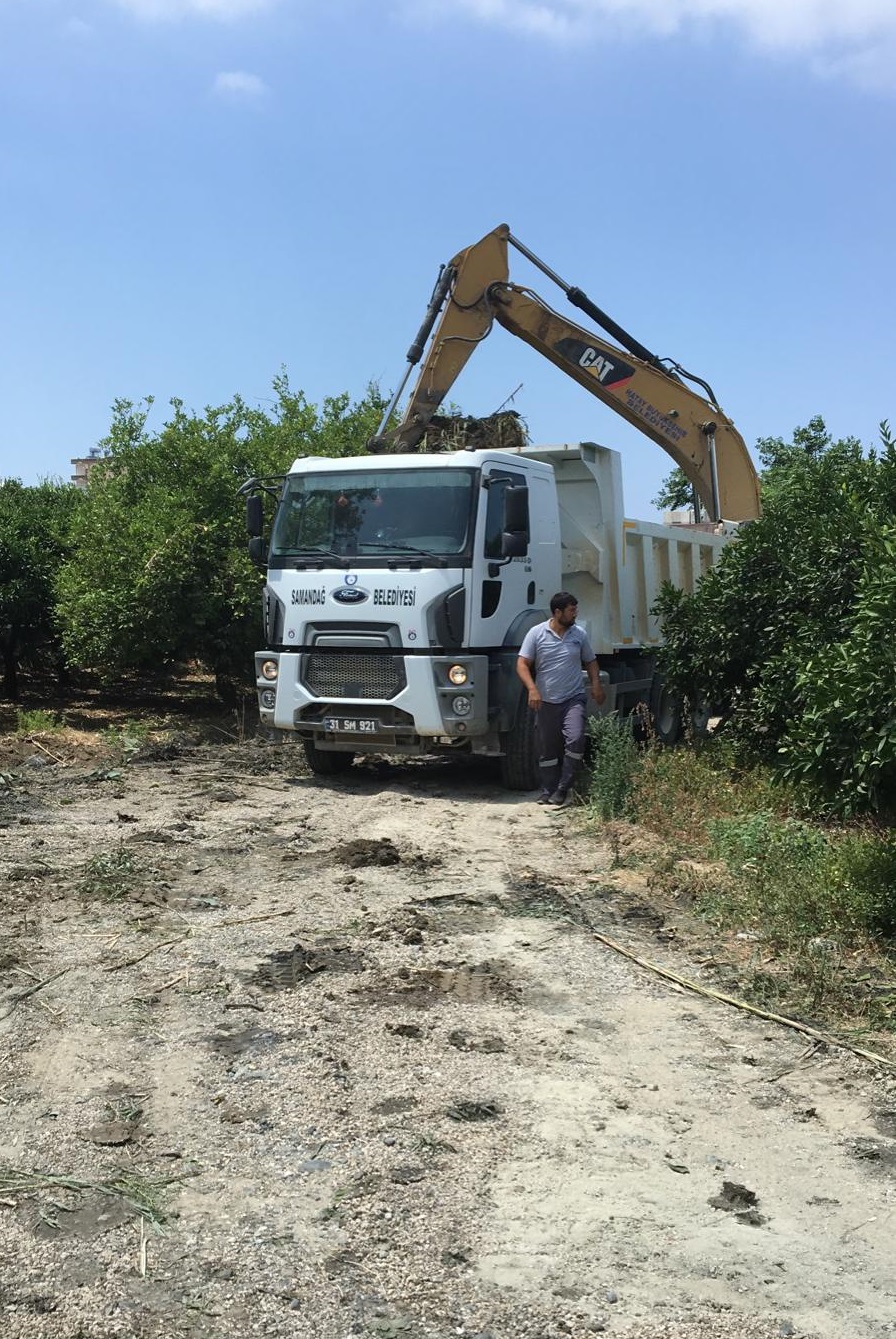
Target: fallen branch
{"points": [[709, 993], [166, 985], [38, 745], [31, 990], [249, 920], [228, 734], [132, 962]]}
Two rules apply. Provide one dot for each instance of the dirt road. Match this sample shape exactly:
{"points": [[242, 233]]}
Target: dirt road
{"points": [[289, 1058]]}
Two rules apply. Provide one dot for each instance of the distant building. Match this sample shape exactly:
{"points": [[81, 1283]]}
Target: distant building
{"points": [[683, 517], [83, 465]]}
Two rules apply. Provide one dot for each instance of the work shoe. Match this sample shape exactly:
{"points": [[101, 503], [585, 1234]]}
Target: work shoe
{"points": [[558, 799]]}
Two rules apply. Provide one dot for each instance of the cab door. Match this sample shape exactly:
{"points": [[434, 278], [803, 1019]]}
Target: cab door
{"points": [[502, 589]]}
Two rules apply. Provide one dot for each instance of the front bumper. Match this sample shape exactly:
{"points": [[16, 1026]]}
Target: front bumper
{"points": [[422, 702]]}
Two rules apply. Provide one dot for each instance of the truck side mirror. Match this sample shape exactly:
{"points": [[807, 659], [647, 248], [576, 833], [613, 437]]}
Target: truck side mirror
{"points": [[258, 551], [254, 516], [515, 531], [514, 544], [516, 510]]}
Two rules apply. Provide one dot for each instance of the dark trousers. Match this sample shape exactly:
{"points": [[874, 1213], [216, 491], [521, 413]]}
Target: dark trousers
{"points": [[560, 729]]}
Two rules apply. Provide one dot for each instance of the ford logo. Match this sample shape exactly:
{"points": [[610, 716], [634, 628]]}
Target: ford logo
{"points": [[350, 595]]}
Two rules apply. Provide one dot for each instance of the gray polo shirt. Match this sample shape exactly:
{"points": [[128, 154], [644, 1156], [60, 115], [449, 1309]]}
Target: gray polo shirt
{"points": [[558, 660]]}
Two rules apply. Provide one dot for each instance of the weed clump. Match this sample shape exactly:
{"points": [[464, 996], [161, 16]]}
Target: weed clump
{"points": [[124, 742], [614, 767], [798, 881], [38, 723], [109, 875]]}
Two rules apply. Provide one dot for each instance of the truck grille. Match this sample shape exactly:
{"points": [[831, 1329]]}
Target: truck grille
{"points": [[353, 674]]}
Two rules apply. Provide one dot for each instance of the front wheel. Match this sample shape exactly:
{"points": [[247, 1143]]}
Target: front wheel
{"points": [[324, 762], [519, 761]]}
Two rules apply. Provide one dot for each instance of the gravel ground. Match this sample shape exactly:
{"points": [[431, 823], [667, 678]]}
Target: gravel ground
{"points": [[286, 1057]]}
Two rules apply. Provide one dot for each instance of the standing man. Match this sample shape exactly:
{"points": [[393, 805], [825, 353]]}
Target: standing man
{"points": [[550, 665]]}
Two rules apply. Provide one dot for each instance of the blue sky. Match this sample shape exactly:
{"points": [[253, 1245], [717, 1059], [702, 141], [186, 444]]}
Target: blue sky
{"points": [[200, 192]]}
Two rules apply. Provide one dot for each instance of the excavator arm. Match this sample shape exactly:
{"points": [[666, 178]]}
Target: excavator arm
{"points": [[474, 292]]}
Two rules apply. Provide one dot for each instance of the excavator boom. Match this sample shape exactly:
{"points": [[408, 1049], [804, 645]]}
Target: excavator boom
{"points": [[474, 292]]}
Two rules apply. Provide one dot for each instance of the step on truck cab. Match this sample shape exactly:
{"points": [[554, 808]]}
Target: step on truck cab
{"points": [[400, 587]]}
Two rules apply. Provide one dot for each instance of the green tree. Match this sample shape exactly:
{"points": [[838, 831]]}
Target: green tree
{"points": [[776, 455], [35, 528], [676, 492], [787, 635], [160, 575]]}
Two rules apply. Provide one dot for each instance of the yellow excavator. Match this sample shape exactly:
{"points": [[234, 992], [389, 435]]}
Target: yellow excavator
{"points": [[474, 291]]}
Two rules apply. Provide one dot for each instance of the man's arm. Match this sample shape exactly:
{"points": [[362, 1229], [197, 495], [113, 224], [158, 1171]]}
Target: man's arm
{"points": [[525, 668], [597, 689]]}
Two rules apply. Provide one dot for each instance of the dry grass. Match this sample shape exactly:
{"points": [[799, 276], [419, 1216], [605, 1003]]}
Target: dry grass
{"points": [[458, 432]]}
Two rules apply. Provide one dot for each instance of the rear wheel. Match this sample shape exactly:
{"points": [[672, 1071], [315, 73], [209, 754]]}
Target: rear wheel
{"points": [[665, 712], [701, 715], [519, 761], [323, 762]]}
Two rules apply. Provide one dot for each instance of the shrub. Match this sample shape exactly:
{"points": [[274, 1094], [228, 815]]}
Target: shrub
{"points": [[615, 763], [678, 792], [789, 635], [37, 722]]}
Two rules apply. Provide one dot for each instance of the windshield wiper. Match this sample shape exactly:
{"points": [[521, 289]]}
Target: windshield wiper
{"points": [[315, 555], [398, 551]]}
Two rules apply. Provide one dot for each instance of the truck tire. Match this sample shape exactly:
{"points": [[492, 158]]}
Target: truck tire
{"points": [[665, 713], [323, 762], [701, 715], [519, 761]]}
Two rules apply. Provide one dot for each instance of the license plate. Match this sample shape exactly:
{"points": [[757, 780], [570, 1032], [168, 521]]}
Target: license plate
{"points": [[350, 725]]}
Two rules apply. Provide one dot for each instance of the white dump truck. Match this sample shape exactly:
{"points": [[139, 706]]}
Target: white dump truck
{"points": [[399, 588], [401, 584]]}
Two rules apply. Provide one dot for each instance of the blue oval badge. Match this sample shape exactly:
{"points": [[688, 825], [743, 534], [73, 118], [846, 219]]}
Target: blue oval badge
{"points": [[350, 595]]}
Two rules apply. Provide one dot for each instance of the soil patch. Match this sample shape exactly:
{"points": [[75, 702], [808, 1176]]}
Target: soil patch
{"points": [[463, 983], [299, 965], [496, 1126]]}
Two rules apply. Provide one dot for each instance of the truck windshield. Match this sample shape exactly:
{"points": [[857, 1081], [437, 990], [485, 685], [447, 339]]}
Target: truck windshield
{"points": [[414, 515]]}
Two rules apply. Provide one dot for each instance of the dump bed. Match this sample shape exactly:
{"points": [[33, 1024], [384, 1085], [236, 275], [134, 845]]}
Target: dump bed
{"points": [[615, 566]]}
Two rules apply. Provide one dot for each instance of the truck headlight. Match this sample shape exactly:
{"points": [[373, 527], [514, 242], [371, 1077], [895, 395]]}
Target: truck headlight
{"points": [[458, 675], [461, 706], [269, 670], [269, 699]]}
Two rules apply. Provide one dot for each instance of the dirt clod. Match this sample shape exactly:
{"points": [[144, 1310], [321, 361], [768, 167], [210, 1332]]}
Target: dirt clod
{"points": [[470, 1110], [366, 851], [112, 1133], [734, 1198]]}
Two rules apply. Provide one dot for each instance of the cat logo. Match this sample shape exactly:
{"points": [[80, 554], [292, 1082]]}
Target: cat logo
{"points": [[601, 366], [609, 371]]}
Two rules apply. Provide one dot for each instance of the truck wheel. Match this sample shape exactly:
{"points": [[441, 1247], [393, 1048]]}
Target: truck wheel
{"points": [[701, 715], [519, 761], [325, 763], [665, 713]]}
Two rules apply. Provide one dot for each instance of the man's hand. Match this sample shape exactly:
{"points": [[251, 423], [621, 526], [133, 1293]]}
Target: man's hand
{"points": [[525, 671], [598, 693]]}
